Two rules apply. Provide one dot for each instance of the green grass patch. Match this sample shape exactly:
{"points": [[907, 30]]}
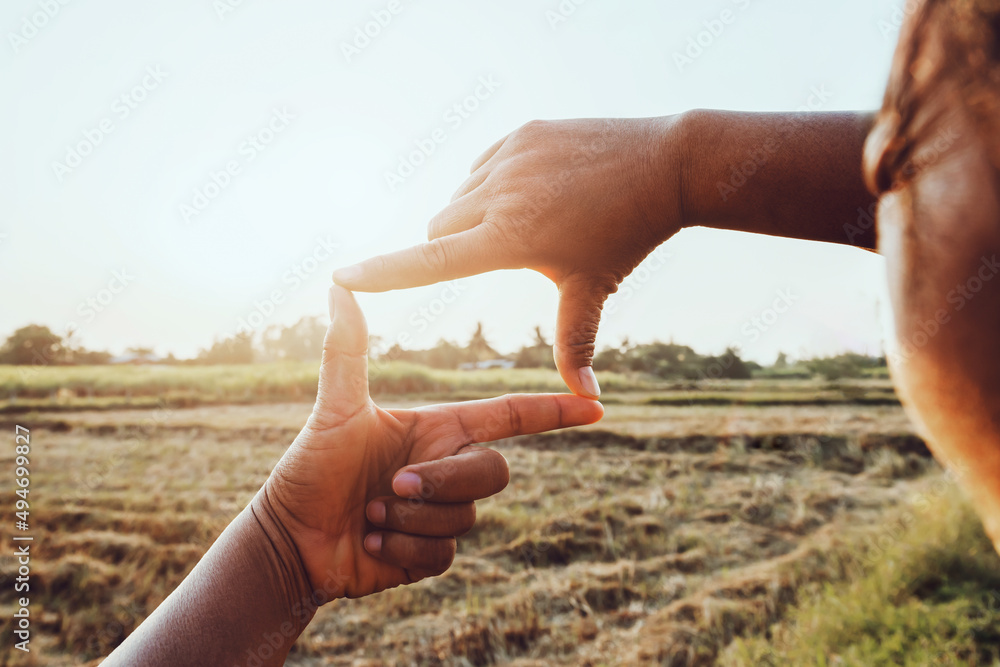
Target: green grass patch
{"points": [[926, 595], [94, 386]]}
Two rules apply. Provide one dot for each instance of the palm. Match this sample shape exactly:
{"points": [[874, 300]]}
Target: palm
{"points": [[350, 451]]}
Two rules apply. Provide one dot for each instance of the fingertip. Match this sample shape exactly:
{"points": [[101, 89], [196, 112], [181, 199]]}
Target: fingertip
{"points": [[341, 293], [580, 379], [588, 382], [347, 276], [580, 411], [376, 512], [407, 485], [373, 544], [349, 327], [596, 409]]}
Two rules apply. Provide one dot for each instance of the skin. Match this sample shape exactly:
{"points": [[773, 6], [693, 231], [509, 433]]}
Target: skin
{"points": [[939, 233], [584, 201], [365, 499]]}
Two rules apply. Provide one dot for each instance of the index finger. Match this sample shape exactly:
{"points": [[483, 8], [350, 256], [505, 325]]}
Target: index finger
{"points": [[519, 414], [456, 256]]}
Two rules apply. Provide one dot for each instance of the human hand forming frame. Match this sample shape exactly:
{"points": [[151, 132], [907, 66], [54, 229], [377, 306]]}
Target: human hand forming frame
{"points": [[363, 500], [415, 473]]}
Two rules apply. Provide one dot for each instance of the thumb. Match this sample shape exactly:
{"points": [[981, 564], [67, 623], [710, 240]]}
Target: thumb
{"points": [[343, 375], [581, 299]]}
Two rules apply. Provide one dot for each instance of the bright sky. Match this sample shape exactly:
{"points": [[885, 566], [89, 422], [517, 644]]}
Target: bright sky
{"points": [[120, 114]]}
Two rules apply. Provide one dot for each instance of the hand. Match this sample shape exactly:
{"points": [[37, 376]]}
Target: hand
{"points": [[581, 201], [412, 473]]}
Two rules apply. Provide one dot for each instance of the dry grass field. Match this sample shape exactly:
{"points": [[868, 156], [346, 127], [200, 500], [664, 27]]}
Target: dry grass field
{"points": [[666, 535]]}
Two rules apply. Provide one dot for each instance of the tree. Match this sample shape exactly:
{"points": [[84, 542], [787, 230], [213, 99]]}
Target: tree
{"points": [[478, 348], [81, 357], [538, 355], [302, 341], [728, 366], [237, 349], [33, 344], [847, 365]]}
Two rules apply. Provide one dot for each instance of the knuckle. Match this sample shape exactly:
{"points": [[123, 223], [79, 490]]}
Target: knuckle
{"points": [[329, 346], [434, 230], [580, 340], [378, 265], [514, 415], [533, 127], [434, 256]]}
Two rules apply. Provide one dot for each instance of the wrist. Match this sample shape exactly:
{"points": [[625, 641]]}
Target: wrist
{"points": [[660, 171], [688, 133], [276, 539]]}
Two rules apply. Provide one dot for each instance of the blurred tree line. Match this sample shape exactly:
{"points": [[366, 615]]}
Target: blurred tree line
{"points": [[670, 361], [303, 341]]}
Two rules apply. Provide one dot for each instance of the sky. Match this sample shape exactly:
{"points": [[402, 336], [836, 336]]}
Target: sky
{"points": [[174, 169]]}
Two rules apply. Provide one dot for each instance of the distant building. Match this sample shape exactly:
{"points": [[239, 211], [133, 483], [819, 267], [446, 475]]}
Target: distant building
{"points": [[488, 364], [134, 359]]}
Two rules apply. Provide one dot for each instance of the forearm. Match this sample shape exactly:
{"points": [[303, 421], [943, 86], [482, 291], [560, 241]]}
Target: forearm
{"points": [[796, 175], [245, 602]]}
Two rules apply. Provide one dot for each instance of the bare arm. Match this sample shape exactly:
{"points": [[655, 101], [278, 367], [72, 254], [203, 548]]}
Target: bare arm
{"points": [[245, 603], [584, 201], [791, 175]]}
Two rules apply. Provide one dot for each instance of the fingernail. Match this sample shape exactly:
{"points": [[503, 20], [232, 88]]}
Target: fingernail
{"points": [[407, 485], [589, 381], [331, 303], [347, 274], [373, 543], [376, 513]]}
